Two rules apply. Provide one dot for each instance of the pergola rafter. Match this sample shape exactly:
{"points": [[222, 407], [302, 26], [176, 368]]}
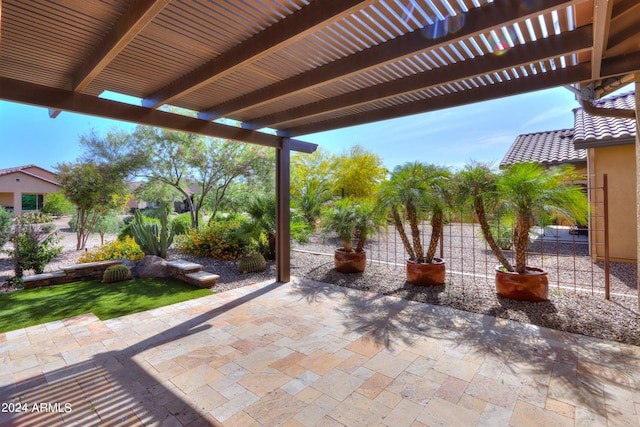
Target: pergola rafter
{"points": [[540, 50], [497, 14], [286, 31]]}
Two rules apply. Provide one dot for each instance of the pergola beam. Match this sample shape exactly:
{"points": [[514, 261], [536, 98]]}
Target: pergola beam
{"points": [[60, 99], [601, 19], [477, 20], [286, 31], [540, 50], [611, 67], [130, 24], [484, 93]]}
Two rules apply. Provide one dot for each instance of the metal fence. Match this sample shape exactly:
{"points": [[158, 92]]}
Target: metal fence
{"points": [[567, 253]]}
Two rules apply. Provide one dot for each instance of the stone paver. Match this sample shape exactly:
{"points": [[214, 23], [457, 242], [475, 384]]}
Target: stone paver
{"points": [[309, 354]]}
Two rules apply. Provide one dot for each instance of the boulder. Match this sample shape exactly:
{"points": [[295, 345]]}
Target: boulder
{"points": [[150, 266]]}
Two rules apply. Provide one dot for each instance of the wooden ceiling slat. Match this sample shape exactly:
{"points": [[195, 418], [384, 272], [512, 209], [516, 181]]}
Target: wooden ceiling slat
{"points": [[283, 32], [533, 83], [479, 20], [128, 26], [563, 20], [542, 49]]}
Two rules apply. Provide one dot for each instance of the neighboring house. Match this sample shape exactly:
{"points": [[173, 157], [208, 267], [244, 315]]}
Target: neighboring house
{"points": [[610, 145], [596, 146], [134, 202], [551, 148], [23, 188]]}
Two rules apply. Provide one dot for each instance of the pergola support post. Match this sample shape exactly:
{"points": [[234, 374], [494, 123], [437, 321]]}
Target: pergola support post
{"points": [[283, 214], [637, 84]]}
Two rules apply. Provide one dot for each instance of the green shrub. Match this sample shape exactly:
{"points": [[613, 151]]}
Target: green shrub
{"points": [[48, 227], [125, 248], [57, 204], [116, 273], [181, 224], [35, 218], [150, 212], [73, 223], [33, 248], [5, 226], [218, 240], [252, 263], [224, 217]]}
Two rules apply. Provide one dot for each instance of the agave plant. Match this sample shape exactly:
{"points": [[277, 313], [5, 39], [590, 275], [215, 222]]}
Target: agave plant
{"points": [[151, 239]]}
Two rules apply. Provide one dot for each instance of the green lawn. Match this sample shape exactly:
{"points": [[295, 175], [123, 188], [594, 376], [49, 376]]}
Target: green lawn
{"points": [[36, 306]]}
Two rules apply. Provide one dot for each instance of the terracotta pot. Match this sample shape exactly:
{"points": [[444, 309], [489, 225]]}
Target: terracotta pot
{"points": [[532, 286], [350, 262], [426, 274]]}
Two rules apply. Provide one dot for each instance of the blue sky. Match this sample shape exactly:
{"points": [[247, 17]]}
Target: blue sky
{"points": [[482, 131]]}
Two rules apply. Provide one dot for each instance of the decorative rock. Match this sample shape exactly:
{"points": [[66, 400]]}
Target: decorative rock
{"points": [[150, 266]]}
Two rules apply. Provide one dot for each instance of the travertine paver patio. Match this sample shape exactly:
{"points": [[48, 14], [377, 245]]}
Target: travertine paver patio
{"points": [[309, 353]]}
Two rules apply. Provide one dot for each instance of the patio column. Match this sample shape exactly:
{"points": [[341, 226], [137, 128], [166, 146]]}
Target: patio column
{"points": [[283, 214], [17, 203], [637, 88]]}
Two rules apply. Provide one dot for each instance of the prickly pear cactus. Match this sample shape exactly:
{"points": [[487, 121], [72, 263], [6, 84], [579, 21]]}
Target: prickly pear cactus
{"points": [[252, 263], [116, 273]]}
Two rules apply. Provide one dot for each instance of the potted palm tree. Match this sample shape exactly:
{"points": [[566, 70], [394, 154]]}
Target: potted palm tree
{"points": [[529, 193], [353, 222], [415, 192]]}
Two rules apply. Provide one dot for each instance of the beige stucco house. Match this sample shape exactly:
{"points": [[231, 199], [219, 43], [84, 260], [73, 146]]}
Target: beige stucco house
{"points": [[23, 188], [610, 146]]}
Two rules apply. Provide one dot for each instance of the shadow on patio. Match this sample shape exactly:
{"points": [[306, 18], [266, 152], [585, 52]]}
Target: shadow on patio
{"points": [[314, 353], [118, 387]]}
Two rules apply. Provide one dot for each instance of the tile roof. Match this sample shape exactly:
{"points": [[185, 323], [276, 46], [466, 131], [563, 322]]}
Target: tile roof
{"points": [[590, 129], [15, 169], [548, 148], [22, 169]]}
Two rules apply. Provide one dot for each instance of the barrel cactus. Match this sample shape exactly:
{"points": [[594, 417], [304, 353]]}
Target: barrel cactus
{"points": [[116, 273], [252, 263]]}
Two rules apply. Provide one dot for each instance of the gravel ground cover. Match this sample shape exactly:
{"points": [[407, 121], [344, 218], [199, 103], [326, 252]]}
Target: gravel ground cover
{"points": [[577, 302]]}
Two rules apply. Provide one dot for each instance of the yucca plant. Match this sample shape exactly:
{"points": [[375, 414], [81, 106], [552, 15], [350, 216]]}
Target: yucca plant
{"points": [[153, 240]]}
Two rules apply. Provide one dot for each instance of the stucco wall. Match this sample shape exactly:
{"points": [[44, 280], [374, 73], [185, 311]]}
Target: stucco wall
{"points": [[619, 165], [35, 170], [18, 184]]}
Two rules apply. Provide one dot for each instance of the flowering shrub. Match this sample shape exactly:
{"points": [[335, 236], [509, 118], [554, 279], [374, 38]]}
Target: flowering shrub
{"points": [[125, 248], [217, 240]]}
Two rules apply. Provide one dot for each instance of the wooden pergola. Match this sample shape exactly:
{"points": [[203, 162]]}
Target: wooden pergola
{"points": [[305, 66]]}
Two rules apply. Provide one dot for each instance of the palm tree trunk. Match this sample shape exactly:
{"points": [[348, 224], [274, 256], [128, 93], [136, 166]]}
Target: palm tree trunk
{"points": [[403, 236], [436, 229], [520, 242], [478, 206], [415, 233]]}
